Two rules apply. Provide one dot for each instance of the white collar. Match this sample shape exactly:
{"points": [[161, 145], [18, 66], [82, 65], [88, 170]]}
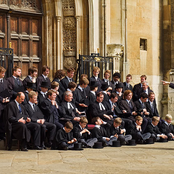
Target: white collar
{"points": [[168, 124], [97, 126], [30, 77], [153, 125], [68, 78], [93, 92], [81, 89], [44, 76], [43, 93], [140, 101], [128, 100], [14, 77], [17, 103], [69, 90]]}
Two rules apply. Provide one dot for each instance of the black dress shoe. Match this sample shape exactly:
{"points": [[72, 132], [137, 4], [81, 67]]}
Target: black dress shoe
{"points": [[24, 149], [37, 148], [44, 147]]}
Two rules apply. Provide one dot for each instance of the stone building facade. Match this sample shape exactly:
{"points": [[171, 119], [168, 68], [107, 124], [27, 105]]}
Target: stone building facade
{"points": [[137, 33]]}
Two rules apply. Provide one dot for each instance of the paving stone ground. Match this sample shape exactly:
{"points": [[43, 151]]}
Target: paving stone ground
{"points": [[157, 158]]}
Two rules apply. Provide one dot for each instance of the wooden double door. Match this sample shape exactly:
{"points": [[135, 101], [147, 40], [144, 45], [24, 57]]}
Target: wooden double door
{"points": [[22, 31]]}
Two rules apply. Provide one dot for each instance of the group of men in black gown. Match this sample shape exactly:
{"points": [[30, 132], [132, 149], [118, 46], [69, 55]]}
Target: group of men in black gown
{"points": [[38, 108]]}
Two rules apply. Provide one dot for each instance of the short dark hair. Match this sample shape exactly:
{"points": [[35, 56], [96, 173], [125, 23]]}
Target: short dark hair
{"points": [[151, 93], [99, 93], [113, 95], [44, 68], [70, 69], [69, 125], [54, 84], [72, 85], [144, 76], [116, 74], [50, 92], [59, 74], [143, 95], [129, 75], [95, 119], [32, 69], [15, 68]]}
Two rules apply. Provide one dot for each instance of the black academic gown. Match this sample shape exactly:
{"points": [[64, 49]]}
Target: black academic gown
{"points": [[37, 114], [51, 113], [15, 86], [26, 80], [41, 79]]}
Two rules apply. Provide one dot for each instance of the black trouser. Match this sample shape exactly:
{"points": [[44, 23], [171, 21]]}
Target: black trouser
{"points": [[51, 128], [35, 132]]}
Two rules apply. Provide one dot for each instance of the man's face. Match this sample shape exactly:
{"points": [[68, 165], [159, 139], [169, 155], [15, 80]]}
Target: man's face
{"points": [[144, 100], [70, 74], [33, 99], [46, 73], [17, 73], [129, 96], [73, 89], [144, 86], [114, 100], [44, 89], [34, 74], [116, 124], [152, 97], [20, 99], [139, 122], [143, 79], [84, 86], [100, 98], [69, 97], [168, 121], [119, 89], [52, 97], [107, 75], [128, 79], [155, 123], [2, 74], [83, 125], [95, 73], [99, 122], [56, 88], [116, 78], [67, 130]]}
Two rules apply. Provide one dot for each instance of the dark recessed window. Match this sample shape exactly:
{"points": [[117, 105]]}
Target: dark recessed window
{"points": [[143, 44]]}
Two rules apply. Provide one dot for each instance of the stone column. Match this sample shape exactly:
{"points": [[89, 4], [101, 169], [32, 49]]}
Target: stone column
{"points": [[79, 35], [59, 43]]}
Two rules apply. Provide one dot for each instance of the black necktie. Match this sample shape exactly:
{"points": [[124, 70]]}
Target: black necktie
{"points": [[1, 81]]}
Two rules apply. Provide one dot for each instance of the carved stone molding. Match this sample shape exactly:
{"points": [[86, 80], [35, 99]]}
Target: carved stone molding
{"points": [[69, 62], [69, 33], [68, 7], [33, 6], [69, 23]]}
